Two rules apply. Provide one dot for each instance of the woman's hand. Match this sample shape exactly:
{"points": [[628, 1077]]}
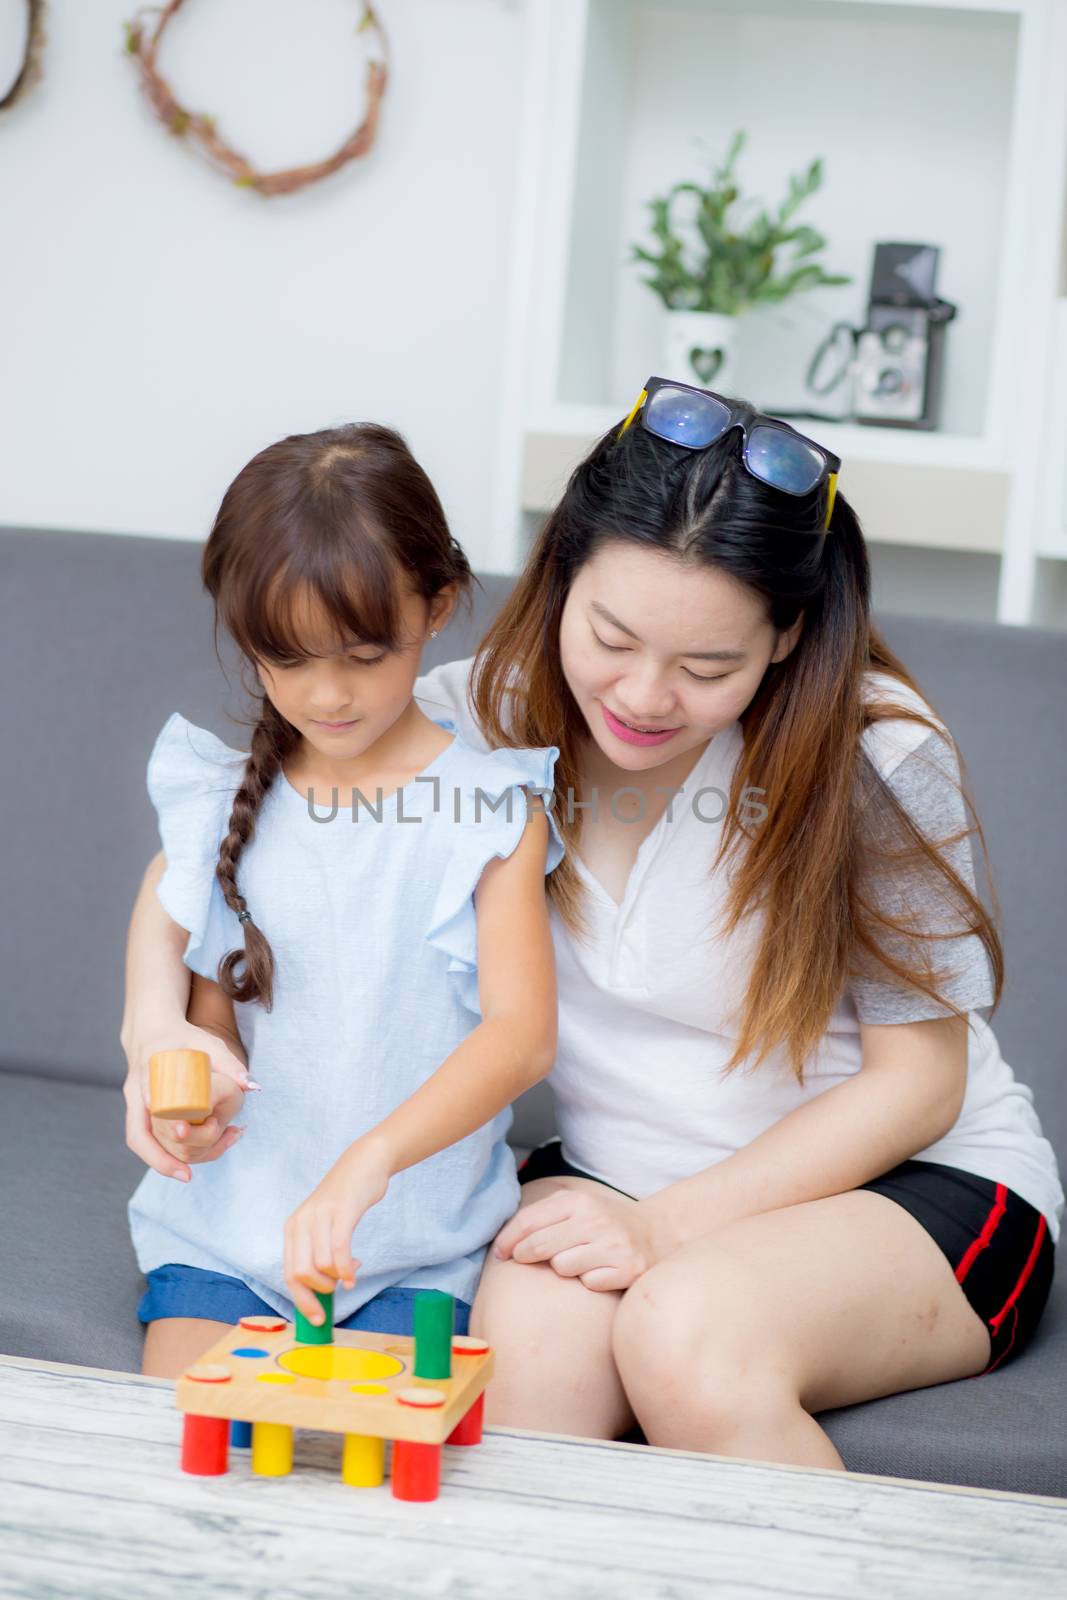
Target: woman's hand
{"points": [[601, 1238], [318, 1235], [197, 1142], [169, 1148]]}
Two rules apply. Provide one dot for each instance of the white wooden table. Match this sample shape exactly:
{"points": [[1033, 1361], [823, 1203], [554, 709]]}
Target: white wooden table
{"points": [[92, 1504]]}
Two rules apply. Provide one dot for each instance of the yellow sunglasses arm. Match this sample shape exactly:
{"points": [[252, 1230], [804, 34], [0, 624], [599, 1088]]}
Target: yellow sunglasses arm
{"points": [[638, 403], [831, 496]]}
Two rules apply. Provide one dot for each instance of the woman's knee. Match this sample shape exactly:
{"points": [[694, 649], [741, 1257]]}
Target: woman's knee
{"points": [[671, 1330], [679, 1356]]}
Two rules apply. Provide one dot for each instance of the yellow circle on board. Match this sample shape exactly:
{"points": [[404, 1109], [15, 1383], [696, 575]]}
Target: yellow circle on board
{"points": [[274, 1377], [330, 1361], [369, 1388]]}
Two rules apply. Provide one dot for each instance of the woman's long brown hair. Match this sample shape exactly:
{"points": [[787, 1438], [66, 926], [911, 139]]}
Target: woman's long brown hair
{"points": [[835, 838], [346, 515]]}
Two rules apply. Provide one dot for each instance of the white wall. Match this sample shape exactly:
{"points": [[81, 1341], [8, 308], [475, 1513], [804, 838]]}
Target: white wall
{"points": [[160, 325]]}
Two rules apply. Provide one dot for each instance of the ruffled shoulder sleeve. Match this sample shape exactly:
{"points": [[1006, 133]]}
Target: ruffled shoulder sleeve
{"points": [[485, 817], [192, 778]]}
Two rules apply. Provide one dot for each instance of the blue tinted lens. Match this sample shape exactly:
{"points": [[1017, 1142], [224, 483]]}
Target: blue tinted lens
{"points": [[783, 460], [683, 418]]}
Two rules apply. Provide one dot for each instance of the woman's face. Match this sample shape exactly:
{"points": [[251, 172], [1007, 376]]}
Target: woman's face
{"points": [[661, 654]]}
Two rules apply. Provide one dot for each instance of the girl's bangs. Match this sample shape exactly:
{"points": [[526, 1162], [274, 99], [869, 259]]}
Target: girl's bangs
{"points": [[308, 609]]}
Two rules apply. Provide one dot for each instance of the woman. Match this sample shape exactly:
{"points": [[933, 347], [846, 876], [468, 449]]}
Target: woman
{"points": [[795, 1172]]}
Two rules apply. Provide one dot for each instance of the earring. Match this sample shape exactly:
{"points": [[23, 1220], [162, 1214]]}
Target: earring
{"points": [[433, 633]]}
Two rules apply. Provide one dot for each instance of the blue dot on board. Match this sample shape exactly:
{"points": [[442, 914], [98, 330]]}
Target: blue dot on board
{"points": [[251, 1351]]}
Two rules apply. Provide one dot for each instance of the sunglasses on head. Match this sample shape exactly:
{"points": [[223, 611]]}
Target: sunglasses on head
{"points": [[772, 451]]}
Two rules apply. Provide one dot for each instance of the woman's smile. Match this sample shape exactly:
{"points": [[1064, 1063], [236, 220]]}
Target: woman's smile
{"points": [[636, 735]]}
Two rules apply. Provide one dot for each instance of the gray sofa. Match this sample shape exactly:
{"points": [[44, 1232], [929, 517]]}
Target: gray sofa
{"points": [[100, 638]]}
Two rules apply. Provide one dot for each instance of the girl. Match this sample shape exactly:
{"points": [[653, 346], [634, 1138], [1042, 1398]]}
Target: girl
{"points": [[367, 929], [795, 1172]]}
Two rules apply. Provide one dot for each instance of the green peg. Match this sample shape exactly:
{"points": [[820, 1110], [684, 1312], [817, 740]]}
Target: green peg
{"points": [[307, 1332], [434, 1323]]}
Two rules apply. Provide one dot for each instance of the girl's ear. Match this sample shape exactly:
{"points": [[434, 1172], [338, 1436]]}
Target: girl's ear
{"points": [[442, 606], [258, 670]]}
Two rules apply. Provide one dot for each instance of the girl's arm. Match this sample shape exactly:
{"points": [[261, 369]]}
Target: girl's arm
{"points": [[157, 998], [514, 1045], [512, 1048], [906, 1095], [157, 980]]}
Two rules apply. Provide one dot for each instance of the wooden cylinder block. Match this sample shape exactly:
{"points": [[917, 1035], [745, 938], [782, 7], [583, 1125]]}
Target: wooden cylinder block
{"points": [[179, 1085]]}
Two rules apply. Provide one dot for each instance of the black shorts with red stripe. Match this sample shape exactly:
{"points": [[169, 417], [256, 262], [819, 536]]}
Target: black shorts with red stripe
{"points": [[996, 1243]]}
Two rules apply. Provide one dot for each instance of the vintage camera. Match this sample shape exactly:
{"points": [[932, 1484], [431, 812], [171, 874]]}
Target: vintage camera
{"points": [[899, 354]]}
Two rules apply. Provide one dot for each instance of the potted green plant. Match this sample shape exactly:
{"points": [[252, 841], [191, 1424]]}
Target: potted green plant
{"points": [[711, 266]]}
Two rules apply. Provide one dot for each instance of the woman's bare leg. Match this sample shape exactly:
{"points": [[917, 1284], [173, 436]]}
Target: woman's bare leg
{"points": [[552, 1341], [733, 1342]]}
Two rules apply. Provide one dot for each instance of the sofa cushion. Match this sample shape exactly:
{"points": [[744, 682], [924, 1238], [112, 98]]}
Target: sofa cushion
{"points": [[71, 1283]]}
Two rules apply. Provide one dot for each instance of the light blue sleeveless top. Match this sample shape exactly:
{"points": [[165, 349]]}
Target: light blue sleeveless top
{"points": [[371, 919]]}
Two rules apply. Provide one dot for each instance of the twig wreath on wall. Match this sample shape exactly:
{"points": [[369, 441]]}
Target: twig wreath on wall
{"points": [[143, 39], [30, 68]]}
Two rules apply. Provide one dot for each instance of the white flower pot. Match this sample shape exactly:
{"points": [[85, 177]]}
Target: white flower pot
{"points": [[700, 347]]}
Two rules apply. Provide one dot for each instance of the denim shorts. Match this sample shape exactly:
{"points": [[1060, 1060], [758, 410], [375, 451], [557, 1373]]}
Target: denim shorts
{"points": [[997, 1244], [179, 1291]]}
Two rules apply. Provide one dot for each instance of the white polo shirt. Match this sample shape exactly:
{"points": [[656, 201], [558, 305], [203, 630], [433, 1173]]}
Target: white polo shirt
{"points": [[648, 1000]]}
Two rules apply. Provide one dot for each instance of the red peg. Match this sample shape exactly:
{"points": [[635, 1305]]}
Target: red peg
{"points": [[469, 1429], [205, 1442], [416, 1470]]}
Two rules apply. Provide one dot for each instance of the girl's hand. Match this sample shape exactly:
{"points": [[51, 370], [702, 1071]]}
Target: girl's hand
{"points": [[601, 1238], [318, 1235], [213, 1138]]}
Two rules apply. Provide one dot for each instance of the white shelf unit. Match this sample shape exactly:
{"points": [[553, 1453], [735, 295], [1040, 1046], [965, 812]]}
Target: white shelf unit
{"points": [[1052, 470], [945, 123]]}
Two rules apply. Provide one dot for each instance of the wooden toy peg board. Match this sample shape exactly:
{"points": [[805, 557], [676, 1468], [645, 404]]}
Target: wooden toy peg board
{"points": [[362, 1383]]}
